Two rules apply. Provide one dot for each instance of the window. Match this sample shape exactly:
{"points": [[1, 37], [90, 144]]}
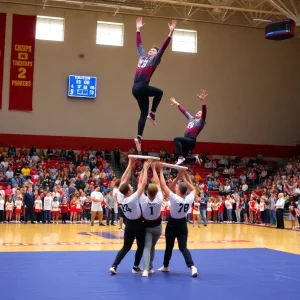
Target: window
{"points": [[184, 41], [50, 29], [110, 33]]}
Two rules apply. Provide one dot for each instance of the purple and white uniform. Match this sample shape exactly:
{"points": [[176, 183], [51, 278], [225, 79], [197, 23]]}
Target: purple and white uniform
{"points": [[194, 126]]}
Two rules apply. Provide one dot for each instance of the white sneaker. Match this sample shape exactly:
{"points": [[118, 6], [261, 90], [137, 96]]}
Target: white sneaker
{"points": [[164, 269], [136, 270], [180, 160], [151, 119], [113, 270], [194, 271], [145, 273], [198, 160], [138, 144]]}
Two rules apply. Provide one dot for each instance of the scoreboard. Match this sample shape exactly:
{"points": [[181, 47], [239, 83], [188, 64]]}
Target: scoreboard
{"points": [[82, 86]]}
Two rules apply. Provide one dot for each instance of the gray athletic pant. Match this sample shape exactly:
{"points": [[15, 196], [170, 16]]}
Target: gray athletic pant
{"points": [[151, 238]]}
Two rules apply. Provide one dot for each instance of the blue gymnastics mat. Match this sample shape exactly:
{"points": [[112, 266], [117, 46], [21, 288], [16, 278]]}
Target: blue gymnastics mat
{"points": [[231, 274]]}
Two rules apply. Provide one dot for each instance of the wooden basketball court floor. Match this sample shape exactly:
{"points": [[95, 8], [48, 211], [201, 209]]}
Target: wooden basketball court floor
{"points": [[72, 261], [83, 237]]}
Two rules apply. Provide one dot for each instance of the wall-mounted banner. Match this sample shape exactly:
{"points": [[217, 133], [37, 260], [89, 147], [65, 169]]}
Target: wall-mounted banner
{"points": [[2, 46], [22, 62]]}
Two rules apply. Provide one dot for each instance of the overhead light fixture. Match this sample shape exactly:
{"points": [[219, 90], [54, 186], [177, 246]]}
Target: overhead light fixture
{"points": [[262, 20], [82, 3]]}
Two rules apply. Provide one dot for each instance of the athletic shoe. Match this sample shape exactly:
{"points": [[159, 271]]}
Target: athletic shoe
{"points": [[136, 270], [198, 160], [145, 273], [151, 118], [194, 271], [180, 160], [164, 269], [113, 270], [138, 144], [151, 271]]}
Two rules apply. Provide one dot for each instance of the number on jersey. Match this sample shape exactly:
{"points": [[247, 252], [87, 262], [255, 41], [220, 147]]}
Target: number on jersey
{"points": [[190, 125], [125, 208], [185, 207]]}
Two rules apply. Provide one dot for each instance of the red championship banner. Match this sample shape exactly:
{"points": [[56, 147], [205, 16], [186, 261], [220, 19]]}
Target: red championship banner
{"points": [[22, 62], [2, 45]]}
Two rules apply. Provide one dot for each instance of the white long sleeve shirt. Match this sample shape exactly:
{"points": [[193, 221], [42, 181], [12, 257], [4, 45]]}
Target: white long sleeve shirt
{"points": [[280, 203], [48, 203]]}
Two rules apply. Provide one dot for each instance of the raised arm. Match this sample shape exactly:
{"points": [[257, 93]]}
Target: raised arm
{"points": [[188, 182], [202, 96], [174, 182], [161, 51], [127, 174], [163, 184], [155, 176], [143, 179], [140, 49], [181, 108]]}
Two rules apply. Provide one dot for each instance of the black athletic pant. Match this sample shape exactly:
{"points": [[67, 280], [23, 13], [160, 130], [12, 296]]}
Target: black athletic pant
{"points": [[177, 228], [1, 215], [64, 217], [135, 229], [38, 216], [141, 93], [279, 217], [184, 145], [29, 213]]}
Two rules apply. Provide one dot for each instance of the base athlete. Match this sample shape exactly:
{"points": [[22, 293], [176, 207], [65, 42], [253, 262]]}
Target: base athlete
{"points": [[180, 204]]}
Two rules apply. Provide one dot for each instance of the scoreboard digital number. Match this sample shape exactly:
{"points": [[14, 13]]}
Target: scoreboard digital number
{"points": [[82, 86]]}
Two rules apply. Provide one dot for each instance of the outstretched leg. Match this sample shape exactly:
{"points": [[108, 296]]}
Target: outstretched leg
{"points": [[170, 240], [184, 145], [140, 241], [157, 94], [182, 245], [140, 93], [143, 102], [129, 237]]}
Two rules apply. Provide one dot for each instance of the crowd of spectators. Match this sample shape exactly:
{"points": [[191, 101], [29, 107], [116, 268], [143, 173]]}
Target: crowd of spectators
{"points": [[238, 189], [57, 174]]}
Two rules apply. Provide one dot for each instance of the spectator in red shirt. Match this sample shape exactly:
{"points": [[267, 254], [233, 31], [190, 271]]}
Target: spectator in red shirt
{"points": [[8, 191], [105, 185], [220, 210]]}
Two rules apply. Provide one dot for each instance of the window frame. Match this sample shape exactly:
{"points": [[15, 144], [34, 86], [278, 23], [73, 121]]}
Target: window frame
{"points": [[51, 18], [195, 41], [110, 23]]}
